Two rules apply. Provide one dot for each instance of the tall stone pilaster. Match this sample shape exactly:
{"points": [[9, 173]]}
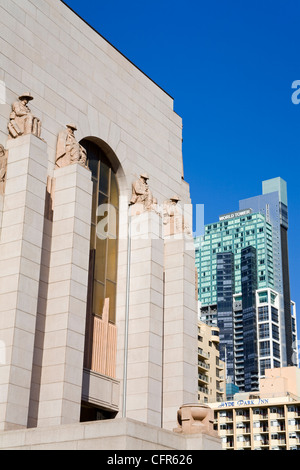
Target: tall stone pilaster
{"points": [[145, 332], [180, 328], [63, 349], [3, 170], [20, 258], [1, 208]]}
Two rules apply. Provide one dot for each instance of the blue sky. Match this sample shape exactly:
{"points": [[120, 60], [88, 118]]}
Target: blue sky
{"points": [[229, 65]]}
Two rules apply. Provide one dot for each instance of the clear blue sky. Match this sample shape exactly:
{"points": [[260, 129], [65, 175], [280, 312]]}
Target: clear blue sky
{"points": [[229, 65]]}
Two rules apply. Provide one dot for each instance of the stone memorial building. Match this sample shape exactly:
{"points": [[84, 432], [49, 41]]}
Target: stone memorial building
{"points": [[98, 316]]}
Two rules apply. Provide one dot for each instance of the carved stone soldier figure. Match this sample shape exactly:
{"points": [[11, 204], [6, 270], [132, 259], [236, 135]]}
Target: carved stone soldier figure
{"points": [[68, 150], [173, 217], [141, 193], [21, 120], [3, 167]]}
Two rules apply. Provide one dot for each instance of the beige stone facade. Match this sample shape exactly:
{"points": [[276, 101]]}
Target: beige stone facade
{"points": [[98, 317]]}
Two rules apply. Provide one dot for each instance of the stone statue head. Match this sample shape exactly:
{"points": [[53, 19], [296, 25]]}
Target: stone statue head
{"points": [[72, 126], [26, 97], [71, 129], [144, 176]]}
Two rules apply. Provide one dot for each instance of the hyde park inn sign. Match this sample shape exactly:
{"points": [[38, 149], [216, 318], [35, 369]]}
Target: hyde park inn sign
{"points": [[259, 401]]}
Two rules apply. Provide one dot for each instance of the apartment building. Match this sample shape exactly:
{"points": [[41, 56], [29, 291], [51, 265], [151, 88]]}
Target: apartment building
{"points": [[211, 370], [264, 420]]}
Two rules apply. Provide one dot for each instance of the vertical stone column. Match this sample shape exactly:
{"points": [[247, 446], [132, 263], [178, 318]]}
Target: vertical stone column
{"points": [[180, 329], [1, 208], [41, 306], [63, 349], [20, 258], [144, 380]]}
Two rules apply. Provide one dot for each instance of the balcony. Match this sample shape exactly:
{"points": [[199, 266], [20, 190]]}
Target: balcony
{"points": [[294, 441], [226, 419], [219, 366], [203, 390], [226, 432], [278, 442], [261, 415], [203, 365], [202, 354], [265, 443], [293, 414], [294, 427], [243, 431], [278, 429], [244, 445], [240, 418], [228, 445], [203, 378], [215, 335], [262, 430]]}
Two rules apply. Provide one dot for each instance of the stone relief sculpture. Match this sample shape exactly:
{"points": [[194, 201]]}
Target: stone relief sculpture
{"points": [[173, 217], [141, 194], [3, 167], [21, 120], [68, 150]]}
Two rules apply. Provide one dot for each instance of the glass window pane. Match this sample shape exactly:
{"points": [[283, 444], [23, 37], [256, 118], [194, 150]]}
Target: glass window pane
{"points": [[113, 222], [104, 178], [102, 199], [100, 260], [102, 221], [112, 260], [111, 295], [114, 191], [94, 201], [93, 165], [98, 299]]}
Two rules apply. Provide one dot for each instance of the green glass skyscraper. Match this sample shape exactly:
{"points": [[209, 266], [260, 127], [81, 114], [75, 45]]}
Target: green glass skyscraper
{"points": [[230, 234]]}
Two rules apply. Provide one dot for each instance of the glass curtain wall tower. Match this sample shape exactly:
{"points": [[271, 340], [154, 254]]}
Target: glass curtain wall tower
{"points": [[225, 291], [249, 286], [273, 204], [231, 234]]}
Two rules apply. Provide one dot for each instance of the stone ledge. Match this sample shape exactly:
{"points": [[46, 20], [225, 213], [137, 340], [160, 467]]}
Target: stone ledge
{"points": [[117, 434]]}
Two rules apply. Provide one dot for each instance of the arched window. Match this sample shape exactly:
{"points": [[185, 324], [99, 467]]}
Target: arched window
{"points": [[104, 231], [101, 302]]}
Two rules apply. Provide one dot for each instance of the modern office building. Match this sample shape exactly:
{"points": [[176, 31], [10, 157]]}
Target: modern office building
{"points": [[98, 315], [211, 370], [230, 234], [273, 204], [250, 340], [240, 289], [265, 420]]}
